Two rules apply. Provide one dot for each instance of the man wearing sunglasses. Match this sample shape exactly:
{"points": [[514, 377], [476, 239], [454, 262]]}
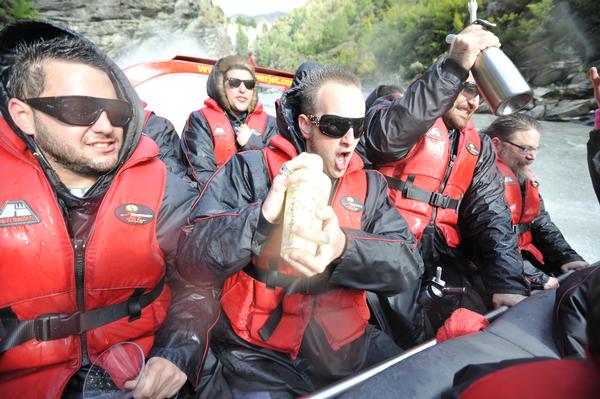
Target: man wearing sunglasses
{"points": [[89, 219], [293, 324], [443, 179], [516, 139], [232, 119]]}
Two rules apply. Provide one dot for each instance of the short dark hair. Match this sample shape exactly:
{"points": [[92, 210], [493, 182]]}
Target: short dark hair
{"points": [[316, 78], [505, 126], [28, 79]]}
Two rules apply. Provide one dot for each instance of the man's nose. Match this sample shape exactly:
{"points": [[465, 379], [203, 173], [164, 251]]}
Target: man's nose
{"points": [[531, 155], [103, 124], [348, 138]]}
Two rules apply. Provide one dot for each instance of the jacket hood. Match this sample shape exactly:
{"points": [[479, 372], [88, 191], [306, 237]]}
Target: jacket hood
{"points": [[215, 85], [30, 31], [288, 108]]}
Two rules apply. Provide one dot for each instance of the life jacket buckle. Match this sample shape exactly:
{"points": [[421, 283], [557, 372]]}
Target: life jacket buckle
{"points": [[57, 325]]}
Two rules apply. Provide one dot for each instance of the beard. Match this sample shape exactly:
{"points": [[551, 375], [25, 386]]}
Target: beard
{"points": [[455, 121], [68, 156]]}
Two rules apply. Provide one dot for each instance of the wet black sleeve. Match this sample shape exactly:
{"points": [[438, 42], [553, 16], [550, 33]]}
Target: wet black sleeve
{"points": [[183, 337], [393, 127], [198, 148], [551, 243], [570, 313], [382, 257], [162, 131], [228, 228], [593, 156], [486, 223]]}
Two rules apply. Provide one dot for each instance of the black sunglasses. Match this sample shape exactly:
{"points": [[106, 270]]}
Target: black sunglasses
{"points": [[470, 90], [234, 83], [83, 110], [337, 126]]}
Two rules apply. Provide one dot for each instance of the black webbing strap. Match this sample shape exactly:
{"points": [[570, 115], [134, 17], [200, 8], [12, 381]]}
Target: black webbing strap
{"points": [[291, 285], [521, 228], [54, 326], [410, 191]]}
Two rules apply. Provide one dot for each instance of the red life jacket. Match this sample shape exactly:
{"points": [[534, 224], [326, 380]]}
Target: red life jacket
{"points": [[37, 264], [547, 379], [249, 303], [428, 184], [222, 132], [524, 206]]}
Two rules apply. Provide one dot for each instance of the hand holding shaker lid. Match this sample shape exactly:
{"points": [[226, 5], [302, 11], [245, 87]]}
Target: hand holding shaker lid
{"points": [[499, 81], [302, 201]]}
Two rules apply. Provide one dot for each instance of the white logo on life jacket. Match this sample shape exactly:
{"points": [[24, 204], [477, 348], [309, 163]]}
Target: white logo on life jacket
{"points": [[219, 131], [508, 180], [16, 213]]}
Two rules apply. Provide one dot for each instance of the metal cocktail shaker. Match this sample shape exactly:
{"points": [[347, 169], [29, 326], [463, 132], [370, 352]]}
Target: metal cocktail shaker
{"points": [[499, 81]]}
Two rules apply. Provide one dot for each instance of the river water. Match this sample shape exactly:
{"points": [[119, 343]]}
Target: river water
{"points": [[565, 185]]}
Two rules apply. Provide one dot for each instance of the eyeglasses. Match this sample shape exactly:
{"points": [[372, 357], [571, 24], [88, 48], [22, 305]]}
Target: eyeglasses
{"points": [[83, 110], [524, 148], [470, 90], [337, 126], [234, 83]]}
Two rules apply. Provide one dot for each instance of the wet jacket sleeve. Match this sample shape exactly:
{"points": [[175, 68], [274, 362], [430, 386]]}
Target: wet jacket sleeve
{"points": [[393, 127], [593, 156], [198, 148], [228, 227], [257, 142], [551, 243], [182, 339], [384, 256], [162, 131], [570, 311], [485, 222]]}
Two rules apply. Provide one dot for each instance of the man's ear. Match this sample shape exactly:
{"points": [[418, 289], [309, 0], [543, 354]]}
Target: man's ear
{"points": [[497, 143], [305, 126], [22, 115]]}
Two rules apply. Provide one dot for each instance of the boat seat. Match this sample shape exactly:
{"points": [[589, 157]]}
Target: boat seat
{"points": [[521, 332]]}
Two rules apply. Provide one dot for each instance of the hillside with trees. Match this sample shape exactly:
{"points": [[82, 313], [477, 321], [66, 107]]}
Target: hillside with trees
{"points": [[399, 38]]}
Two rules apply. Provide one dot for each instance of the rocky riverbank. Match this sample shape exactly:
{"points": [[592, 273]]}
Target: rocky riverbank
{"points": [[119, 26]]}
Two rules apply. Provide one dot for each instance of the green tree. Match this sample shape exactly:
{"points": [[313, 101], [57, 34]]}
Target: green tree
{"points": [[241, 41], [11, 10]]}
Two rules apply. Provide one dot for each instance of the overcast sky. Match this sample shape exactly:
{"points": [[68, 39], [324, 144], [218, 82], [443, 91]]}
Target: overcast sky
{"points": [[257, 7]]}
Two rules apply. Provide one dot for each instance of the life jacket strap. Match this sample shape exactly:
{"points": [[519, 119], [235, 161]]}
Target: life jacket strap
{"points": [[410, 191], [59, 325]]}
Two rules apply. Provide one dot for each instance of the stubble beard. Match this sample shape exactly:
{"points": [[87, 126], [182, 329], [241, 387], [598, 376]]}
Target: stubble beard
{"points": [[67, 156]]}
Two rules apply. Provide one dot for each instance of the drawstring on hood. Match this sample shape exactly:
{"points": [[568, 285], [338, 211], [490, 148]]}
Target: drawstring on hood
{"points": [[24, 32]]}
